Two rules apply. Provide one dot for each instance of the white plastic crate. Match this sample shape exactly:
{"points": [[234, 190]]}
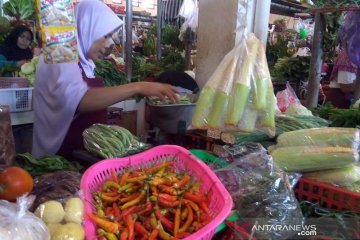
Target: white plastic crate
{"points": [[18, 99]]}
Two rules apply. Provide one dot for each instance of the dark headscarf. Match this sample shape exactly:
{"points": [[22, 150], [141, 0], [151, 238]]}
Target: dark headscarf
{"points": [[10, 49]]}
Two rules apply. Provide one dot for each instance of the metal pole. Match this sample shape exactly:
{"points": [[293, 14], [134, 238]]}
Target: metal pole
{"points": [[315, 64], [128, 44], [158, 30]]}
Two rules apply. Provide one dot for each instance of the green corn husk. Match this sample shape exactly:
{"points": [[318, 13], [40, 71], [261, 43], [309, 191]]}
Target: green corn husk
{"points": [[218, 109], [338, 177], [308, 158], [202, 109]]}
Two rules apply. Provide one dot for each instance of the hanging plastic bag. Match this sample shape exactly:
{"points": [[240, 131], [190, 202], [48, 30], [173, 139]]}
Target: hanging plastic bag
{"points": [[286, 97], [17, 223], [189, 11], [239, 94]]}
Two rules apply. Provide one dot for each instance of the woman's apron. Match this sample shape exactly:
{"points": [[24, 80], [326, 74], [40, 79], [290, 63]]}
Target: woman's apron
{"points": [[74, 139]]}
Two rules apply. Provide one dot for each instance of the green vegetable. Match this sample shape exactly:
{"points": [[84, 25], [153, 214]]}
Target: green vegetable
{"points": [[108, 141], [338, 117], [109, 72], [37, 166], [19, 9]]}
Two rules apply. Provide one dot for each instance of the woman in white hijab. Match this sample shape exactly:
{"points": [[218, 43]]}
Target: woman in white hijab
{"points": [[67, 96]]}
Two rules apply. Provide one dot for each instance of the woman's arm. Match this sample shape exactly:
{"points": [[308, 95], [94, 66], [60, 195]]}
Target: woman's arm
{"points": [[102, 97]]}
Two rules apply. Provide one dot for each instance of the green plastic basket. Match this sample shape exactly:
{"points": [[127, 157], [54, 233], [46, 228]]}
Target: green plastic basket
{"points": [[217, 163], [209, 158]]}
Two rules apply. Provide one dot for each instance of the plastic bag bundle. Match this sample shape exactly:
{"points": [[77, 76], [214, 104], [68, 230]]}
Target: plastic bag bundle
{"points": [[239, 94], [262, 193], [16, 223], [350, 35], [189, 11]]}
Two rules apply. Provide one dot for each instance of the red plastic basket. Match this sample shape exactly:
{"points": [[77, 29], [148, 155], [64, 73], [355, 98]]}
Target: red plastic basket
{"points": [[221, 202], [327, 195], [13, 82]]}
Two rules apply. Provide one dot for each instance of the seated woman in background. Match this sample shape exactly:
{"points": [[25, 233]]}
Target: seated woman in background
{"points": [[15, 51], [342, 81]]}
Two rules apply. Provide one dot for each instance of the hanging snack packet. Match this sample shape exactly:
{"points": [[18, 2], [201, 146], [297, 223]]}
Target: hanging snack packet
{"points": [[59, 44], [55, 13]]}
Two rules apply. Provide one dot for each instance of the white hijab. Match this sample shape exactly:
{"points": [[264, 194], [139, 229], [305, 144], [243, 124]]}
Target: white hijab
{"points": [[59, 88]]}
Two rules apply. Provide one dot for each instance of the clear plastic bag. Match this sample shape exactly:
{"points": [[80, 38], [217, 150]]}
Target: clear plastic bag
{"points": [[108, 141], [239, 94], [189, 11], [7, 142], [286, 97], [262, 193], [17, 223]]}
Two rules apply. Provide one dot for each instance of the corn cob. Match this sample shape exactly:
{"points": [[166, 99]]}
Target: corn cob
{"points": [[307, 159], [262, 78], [241, 88], [339, 177], [342, 137]]}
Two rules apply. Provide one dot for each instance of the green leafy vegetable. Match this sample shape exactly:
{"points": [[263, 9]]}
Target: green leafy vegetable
{"points": [[49, 163], [109, 72]]}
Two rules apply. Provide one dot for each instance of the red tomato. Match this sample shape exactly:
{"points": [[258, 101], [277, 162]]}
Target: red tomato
{"points": [[14, 182]]}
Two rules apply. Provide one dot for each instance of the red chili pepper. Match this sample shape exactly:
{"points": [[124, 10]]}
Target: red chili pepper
{"points": [[205, 217], [167, 203], [104, 224], [158, 168], [123, 179], [133, 202], [117, 212], [167, 197], [204, 206], [141, 229], [146, 210], [168, 189], [166, 222], [154, 191], [109, 211], [131, 210], [114, 177], [154, 234], [110, 194], [193, 197], [182, 182], [177, 221], [183, 235], [129, 198], [109, 199], [130, 225], [189, 220], [124, 234]]}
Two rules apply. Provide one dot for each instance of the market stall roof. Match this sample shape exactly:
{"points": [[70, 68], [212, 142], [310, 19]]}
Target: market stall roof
{"points": [[286, 8]]}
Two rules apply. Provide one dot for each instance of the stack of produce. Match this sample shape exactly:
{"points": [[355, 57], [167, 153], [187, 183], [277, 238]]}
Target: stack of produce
{"points": [[150, 203], [325, 154], [239, 94], [63, 222]]}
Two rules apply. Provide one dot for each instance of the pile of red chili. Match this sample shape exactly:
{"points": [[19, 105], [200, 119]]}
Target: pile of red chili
{"points": [[152, 203]]}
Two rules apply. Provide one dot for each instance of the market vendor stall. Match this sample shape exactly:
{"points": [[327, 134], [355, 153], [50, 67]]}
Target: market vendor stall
{"points": [[234, 159]]}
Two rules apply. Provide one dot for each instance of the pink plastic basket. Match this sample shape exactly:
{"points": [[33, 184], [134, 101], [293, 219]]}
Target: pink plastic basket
{"points": [[221, 202]]}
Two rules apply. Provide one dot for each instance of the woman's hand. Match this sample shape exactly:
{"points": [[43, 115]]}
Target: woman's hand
{"points": [[160, 90]]}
